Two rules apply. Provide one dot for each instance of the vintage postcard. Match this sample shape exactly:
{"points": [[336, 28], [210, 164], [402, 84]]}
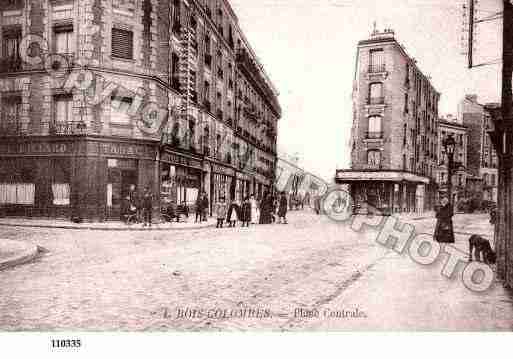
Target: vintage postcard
{"points": [[255, 166]]}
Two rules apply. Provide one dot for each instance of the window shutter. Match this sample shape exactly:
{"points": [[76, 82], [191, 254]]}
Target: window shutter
{"points": [[122, 44]]}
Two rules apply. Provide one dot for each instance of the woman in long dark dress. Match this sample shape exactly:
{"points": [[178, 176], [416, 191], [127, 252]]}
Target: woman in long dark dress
{"points": [[265, 209], [444, 230]]}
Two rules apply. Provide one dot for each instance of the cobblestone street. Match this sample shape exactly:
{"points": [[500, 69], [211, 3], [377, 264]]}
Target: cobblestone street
{"points": [[273, 276]]}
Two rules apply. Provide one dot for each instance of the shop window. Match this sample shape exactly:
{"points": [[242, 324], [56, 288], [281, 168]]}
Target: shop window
{"points": [[17, 193], [61, 182], [122, 44]]}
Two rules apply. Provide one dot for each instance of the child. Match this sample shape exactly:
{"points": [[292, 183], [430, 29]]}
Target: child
{"points": [[221, 212]]}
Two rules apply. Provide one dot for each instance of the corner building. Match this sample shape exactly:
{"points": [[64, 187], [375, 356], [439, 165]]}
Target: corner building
{"points": [[394, 132], [65, 153]]}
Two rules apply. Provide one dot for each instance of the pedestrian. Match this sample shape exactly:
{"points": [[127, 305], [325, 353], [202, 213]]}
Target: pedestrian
{"points": [[220, 212], [204, 206], [147, 206], [493, 215], [266, 209], [199, 209], [255, 212], [233, 213], [444, 232], [246, 212], [282, 209]]}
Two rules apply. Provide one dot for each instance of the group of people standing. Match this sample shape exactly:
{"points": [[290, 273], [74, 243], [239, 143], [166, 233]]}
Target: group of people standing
{"points": [[137, 207], [252, 211]]}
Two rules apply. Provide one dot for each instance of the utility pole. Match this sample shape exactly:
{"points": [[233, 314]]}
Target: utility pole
{"points": [[504, 138]]}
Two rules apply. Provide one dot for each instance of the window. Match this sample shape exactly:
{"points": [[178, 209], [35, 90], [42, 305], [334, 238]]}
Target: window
{"points": [[64, 40], [120, 107], [485, 179], [376, 93], [11, 109], [494, 180], [176, 17], [175, 78], [122, 44], [375, 129], [63, 111], [406, 99], [206, 93], [374, 158], [11, 43], [377, 60]]}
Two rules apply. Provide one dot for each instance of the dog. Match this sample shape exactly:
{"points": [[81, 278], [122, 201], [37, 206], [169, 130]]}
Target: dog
{"points": [[478, 245]]}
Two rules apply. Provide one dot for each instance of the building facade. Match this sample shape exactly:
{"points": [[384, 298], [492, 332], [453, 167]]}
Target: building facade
{"points": [[394, 134], [482, 157], [100, 95], [450, 126]]}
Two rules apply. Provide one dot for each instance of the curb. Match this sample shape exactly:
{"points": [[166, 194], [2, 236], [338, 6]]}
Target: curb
{"points": [[106, 229], [22, 258]]}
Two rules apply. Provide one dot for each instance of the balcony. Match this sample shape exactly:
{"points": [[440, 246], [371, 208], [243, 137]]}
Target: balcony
{"points": [[377, 68], [372, 135], [68, 128], [10, 64], [11, 129], [376, 101]]}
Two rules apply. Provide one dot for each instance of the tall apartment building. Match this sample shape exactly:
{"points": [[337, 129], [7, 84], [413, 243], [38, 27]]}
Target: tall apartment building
{"points": [[482, 157], [86, 87], [394, 132], [453, 126]]}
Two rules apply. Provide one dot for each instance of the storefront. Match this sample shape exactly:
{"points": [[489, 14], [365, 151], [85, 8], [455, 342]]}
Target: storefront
{"points": [[181, 178], [387, 191], [223, 183], [243, 186], [72, 178]]}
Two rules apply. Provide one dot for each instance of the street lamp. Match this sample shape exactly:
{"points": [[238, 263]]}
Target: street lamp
{"points": [[449, 145]]}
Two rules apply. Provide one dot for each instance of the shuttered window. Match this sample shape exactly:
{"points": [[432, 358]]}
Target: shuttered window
{"points": [[122, 44]]}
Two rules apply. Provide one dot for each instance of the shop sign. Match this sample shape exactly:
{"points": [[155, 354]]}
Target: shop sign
{"points": [[122, 149], [223, 170], [176, 159], [37, 148]]}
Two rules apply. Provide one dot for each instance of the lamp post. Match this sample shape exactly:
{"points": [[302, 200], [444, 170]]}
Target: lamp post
{"points": [[449, 146]]}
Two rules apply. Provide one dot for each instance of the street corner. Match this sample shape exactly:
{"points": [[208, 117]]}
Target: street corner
{"points": [[14, 253]]}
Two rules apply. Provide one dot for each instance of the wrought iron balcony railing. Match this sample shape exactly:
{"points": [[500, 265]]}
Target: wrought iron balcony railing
{"points": [[374, 134], [373, 68], [376, 100], [11, 129], [68, 128]]}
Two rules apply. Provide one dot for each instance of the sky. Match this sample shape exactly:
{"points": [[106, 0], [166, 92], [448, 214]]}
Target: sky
{"points": [[308, 48]]}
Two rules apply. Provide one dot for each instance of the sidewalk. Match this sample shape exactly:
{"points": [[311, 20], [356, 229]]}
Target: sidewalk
{"points": [[398, 294], [13, 253], [104, 226]]}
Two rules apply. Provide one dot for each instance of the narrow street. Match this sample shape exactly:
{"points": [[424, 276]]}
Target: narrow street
{"points": [[306, 275]]}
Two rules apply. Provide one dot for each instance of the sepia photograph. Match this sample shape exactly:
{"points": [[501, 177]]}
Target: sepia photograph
{"points": [[242, 166]]}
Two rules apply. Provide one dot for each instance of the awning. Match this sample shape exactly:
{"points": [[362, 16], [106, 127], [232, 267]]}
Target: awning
{"points": [[348, 176]]}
